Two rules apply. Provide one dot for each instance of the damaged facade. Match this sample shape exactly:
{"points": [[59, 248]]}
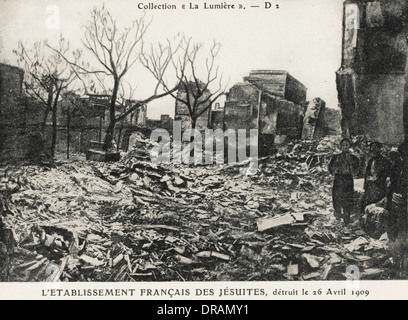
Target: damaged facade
{"points": [[272, 101], [25, 133], [371, 82], [20, 118], [269, 100], [182, 112], [314, 121], [89, 117]]}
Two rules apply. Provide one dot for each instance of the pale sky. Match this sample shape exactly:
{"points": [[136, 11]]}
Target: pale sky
{"points": [[302, 36]]}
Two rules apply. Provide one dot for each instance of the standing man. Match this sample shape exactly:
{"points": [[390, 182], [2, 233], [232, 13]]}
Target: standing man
{"points": [[375, 179], [343, 166]]}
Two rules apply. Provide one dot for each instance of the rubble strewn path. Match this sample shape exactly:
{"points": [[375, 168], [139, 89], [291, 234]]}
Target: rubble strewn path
{"points": [[134, 221]]}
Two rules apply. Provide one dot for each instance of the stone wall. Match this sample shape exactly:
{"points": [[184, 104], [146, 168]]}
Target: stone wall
{"points": [[280, 117], [248, 107], [332, 121], [314, 121], [11, 81], [278, 83], [20, 119], [20, 134], [241, 107], [372, 79]]}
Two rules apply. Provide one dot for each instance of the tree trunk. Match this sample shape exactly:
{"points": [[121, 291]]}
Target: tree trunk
{"points": [[54, 123], [54, 132], [193, 126], [109, 135], [68, 131], [119, 136], [44, 121], [47, 111], [112, 117]]}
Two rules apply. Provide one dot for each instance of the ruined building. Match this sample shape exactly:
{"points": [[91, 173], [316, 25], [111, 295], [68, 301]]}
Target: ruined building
{"points": [[269, 100], [165, 122], [20, 118], [25, 133], [372, 81], [87, 117]]}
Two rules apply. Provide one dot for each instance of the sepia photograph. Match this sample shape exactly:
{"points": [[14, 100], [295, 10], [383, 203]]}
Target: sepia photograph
{"points": [[195, 149]]}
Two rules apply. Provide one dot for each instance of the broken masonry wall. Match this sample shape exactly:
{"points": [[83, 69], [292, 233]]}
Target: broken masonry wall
{"points": [[166, 122], [295, 91], [241, 107], [271, 81], [267, 122], [379, 113], [81, 137], [372, 78], [11, 81], [241, 110], [20, 119], [259, 103], [372, 81], [278, 83], [268, 115], [332, 122], [247, 107], [290, 119], [345, 82], [278, 116], [314, 120], [88, 123], [217, 119]]}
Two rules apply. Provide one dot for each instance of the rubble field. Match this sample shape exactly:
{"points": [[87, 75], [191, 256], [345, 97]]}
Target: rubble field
{"points": [[135, 221]]}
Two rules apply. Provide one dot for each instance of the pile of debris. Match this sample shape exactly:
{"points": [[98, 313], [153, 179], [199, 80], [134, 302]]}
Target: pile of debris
{"points": [[135, 221]]}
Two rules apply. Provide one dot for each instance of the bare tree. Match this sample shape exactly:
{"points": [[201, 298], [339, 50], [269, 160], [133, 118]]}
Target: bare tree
{"points": [[196, 73], [125, 102], [72, 108], [115, 51], [47, 76]]}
